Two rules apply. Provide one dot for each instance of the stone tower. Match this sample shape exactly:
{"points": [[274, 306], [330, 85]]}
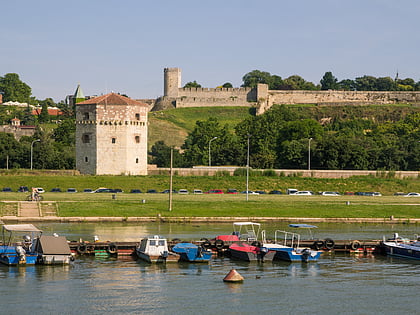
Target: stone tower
{"points": [[172, 82], [111, 136]]}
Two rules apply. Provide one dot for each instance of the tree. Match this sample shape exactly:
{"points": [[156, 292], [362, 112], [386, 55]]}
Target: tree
{"points": [[65, 132], [161, 155], [44, 116], [251, 79], [296, 82], [347, 85], [329, 82], [193, 84], [366, 83], [227, 85], [14, 89]]}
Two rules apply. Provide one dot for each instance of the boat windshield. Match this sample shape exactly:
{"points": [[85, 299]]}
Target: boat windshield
{"points": [[247, 231], [309, 227]]}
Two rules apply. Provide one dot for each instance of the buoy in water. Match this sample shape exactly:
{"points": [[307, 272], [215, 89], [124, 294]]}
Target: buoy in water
{"points": [[233, 276]]}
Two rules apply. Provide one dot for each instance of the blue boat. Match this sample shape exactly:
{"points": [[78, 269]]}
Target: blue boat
{"points": [[192, 253], [402, 247], [19, 252], [287, 248]]}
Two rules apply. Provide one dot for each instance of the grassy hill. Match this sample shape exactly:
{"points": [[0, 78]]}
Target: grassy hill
{"points": [[173, 125]]}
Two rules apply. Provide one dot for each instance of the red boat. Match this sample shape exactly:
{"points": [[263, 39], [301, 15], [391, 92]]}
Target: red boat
{"points": [[246, 252]]}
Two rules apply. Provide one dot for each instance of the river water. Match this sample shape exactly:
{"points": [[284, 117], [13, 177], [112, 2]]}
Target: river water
{"points": [[336, 284]]}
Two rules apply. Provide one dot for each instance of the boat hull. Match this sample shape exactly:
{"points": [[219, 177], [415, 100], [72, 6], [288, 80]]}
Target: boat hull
{"points": [[10, 257], [293, 256], [192, 253], [402, 250], [250, 253], [158, 259]]}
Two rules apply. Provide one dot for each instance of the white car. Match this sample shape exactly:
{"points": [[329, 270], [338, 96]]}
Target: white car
{"points": [[330, 193], [40, 190], [197, 192], [412, 194], [183, 192], [250, 192], [303, 193]]}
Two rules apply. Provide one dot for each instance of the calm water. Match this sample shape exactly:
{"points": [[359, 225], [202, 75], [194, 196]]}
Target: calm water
{"points": [[338, 284]]}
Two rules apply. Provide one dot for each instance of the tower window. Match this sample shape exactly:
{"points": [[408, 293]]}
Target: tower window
{"points": [[85, 138], [137, 160], [137, 116], [113, 140], [137, 138], [86, 159], [86, 116]]}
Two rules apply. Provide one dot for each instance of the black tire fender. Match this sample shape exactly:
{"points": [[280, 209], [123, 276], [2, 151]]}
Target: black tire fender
{"points": [[329, 243], [355, 245], [112, 248], [318, 245], [219, 244], [81, 249], [205, 243]]}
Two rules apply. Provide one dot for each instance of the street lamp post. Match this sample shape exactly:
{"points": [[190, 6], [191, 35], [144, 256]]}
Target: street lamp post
{"points": [[247, 169], [309, 154], [32, 150], [209, 149]]}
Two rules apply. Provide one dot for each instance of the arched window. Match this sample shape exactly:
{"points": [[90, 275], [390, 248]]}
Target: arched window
{"points": [[86, 138], [114, 140], [137, 138]]}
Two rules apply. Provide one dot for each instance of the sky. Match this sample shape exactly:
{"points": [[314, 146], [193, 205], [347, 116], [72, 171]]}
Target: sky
{"points": [[123, 46]]}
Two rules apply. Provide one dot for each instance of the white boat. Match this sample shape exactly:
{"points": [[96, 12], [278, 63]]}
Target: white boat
{"points": [[155, 249], [286, 246]]}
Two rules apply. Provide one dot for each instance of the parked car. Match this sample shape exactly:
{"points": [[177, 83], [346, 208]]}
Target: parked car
{"points": [[118, 190], [183, 192], [40, 190], [330, 193], [56, 190], [135, 191], [23, 189], [87, 190], [412, 194], [275, 192], [232, 191], [6, 189], [197, 191], [104, 190], [71, 190], [291, 191], [260, 192], [152, 191], [166, 191], [214, 191], [304, 193], [250, 192], [400, 194], [349, 193]]}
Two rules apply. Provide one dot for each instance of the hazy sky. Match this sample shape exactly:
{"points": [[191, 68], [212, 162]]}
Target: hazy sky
{"points": [[123, 46]]}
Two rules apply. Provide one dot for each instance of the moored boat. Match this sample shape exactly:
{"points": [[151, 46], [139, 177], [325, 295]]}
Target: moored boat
{"points": [[402, 247], [192, 253], [246, 252], [155, 249], [288, 248]]}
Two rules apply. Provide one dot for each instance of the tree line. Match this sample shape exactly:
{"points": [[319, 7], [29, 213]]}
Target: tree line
{"points": [[283, 138]]}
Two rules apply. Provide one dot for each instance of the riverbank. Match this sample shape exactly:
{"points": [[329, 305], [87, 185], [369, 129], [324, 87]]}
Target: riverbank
{"points": [[162, 219]]}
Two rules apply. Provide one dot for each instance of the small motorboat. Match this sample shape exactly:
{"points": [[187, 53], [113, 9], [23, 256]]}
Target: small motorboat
{"points": [[288, 249], [154, 249], [402, 247], [247, 247], [24, 244], [192, 253]]}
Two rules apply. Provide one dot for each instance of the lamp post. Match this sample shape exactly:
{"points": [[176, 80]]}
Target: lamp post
{"points": [[309, 153], [32, 149], [209, 149], [247, 169]]}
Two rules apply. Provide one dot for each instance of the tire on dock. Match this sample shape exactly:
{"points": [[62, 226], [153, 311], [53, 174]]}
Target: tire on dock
{"points": [[329, 243], [112, 249], [318, 244]]}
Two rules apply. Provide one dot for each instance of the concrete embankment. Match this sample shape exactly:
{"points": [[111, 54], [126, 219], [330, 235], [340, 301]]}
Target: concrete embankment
{"points": [[207, 219]]}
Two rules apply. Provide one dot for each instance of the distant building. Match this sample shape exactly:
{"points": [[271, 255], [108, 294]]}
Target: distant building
{"points": [[77, 97], [17, 129], [111, 136]]}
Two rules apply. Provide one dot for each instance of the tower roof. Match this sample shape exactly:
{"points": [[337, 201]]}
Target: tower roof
{"points": [[111, 99], [79, 93]]}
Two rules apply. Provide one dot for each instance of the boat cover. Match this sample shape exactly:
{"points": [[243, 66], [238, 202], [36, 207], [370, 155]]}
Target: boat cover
{"points": [[54, 245], [21, 228], [308, 226]]}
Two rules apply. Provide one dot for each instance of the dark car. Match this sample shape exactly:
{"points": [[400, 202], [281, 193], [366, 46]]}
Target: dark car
{"points": [[104, 190], [232, 191], [152, 191], [23, 189], [56, 190], [261, 192], [72, 190], [6, 189], [135, 191], [87, 190], [166, 191], [117, 190], [275, 192]]}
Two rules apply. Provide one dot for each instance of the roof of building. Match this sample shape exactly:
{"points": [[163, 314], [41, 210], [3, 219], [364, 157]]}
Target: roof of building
{"points": [[51, 111], [111, 99], [79, 93]]}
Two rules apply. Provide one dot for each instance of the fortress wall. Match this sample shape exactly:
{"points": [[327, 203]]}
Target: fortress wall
{"points": [[214, 92], [204, 102]]}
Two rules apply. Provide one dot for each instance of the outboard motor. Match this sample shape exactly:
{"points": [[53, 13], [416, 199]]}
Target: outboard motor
{"points": [[21, 252], [27, 242]]}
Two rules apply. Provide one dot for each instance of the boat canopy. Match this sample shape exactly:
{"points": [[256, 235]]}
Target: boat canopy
{"points": [[246, 223], [20, 228], [307, 226]]}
